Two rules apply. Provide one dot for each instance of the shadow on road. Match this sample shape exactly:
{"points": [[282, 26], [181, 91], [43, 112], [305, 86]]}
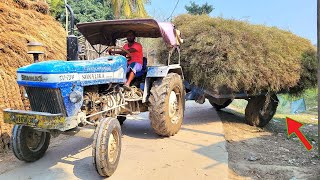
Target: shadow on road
{"points": [[195, 114], [139, 127]]}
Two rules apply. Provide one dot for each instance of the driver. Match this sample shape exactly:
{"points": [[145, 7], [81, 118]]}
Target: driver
{"points": [[136, 60]]}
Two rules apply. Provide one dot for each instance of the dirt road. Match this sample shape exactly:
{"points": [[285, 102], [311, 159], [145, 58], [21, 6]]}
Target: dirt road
{"points": [[198, 151], [268, 153]]}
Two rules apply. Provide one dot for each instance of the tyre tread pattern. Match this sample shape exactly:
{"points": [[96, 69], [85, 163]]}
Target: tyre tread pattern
{"points": [[19, 146], [159, 93], [100, 146]]}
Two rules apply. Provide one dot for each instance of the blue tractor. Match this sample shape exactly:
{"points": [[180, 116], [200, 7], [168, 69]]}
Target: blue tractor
{"points": [[66, 94]]}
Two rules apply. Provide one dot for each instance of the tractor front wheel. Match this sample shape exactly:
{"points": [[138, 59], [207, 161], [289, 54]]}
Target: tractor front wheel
{"points": [[106, 147], [166, 108], [29, 144]]}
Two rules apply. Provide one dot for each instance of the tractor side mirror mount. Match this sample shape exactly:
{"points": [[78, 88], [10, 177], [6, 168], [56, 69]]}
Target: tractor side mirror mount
{"points": [[72, 40]]}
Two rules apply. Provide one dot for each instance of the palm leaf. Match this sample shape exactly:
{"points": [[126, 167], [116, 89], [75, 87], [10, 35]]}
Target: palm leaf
{"points": [[127, 8]]}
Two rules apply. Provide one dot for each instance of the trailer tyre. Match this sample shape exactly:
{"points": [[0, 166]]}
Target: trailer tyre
{"points": [[166, 108], [261, 109], [219, 107], [106, 147], [28, 144]]}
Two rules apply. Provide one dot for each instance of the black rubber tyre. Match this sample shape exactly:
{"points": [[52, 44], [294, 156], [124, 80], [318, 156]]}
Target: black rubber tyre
{"points": [[28, 144], [121, 119], [261, 109], [219, 107], [106, 148], [163, 122]]}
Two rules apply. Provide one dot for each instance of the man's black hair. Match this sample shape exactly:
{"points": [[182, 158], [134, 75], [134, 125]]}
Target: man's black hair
{"points": [[133, 32]]}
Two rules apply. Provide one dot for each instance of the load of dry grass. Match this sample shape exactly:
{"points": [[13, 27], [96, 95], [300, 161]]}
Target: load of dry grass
{"points": [[231, 56], [18, 26], [39, 6]]}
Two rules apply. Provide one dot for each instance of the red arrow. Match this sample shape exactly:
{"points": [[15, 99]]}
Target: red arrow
{"points": [[294, 127]]}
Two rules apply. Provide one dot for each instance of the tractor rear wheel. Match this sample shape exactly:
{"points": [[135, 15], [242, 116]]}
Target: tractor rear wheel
{"points": [[261, 109], [29, 144], [166, 108], [106, 147]]}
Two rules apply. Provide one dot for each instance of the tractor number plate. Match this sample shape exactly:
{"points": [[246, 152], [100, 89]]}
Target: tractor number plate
{"points": [[40, 120]]}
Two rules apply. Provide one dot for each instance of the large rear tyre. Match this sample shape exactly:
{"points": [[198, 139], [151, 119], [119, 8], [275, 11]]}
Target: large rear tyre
{"points": [[28, 144], [261, 109], [218, 107], [166, 108], [106, 148]]}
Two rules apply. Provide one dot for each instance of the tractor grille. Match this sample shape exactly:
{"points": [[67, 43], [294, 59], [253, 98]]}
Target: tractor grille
{"points": [[46, 100]]}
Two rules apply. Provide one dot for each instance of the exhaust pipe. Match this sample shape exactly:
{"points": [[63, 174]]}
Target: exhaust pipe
{"points": [[72, 40]]}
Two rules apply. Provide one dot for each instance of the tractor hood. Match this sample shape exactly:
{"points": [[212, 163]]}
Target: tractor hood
{"points": [[58, 72]]}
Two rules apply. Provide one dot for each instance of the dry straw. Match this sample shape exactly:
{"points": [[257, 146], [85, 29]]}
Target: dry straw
{"points": [[231, 56]]}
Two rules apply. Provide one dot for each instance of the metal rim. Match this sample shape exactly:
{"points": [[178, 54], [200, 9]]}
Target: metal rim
{"points": [[113, 147], [35, 140], [173, 107]]}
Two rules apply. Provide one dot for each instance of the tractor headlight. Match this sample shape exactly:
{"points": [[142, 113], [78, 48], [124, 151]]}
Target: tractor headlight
{"points": [[75, 97]]}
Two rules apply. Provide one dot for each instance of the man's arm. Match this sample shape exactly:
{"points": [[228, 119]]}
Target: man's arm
{"points": [[117, 52], [132, 50]]}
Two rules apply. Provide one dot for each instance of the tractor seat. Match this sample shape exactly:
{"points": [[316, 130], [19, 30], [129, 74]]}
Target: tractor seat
{"points": [[144, 68]]}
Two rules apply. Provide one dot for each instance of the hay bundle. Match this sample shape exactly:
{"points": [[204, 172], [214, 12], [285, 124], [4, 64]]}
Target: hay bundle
{"points": [[232, 56], [40, 7], [24, 4]]}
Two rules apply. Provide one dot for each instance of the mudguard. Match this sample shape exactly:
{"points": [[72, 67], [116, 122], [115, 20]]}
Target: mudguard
{"points": [[159, 72], [162, 71]]}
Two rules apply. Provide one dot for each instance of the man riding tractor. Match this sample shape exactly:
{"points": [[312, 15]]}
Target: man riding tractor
{"points": [[135, 57]]}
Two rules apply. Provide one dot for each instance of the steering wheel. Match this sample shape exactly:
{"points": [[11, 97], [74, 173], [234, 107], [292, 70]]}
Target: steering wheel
{"points": [[119, 48]]}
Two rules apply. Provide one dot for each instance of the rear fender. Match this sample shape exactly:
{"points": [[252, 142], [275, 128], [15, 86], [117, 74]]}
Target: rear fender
{"points": [[156, 72], [162, 71]]}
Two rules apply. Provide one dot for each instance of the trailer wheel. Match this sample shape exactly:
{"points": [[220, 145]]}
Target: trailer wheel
{"points": [[28, 144], [106, 147], [219, 107], [261, 109], [167, 105]]}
